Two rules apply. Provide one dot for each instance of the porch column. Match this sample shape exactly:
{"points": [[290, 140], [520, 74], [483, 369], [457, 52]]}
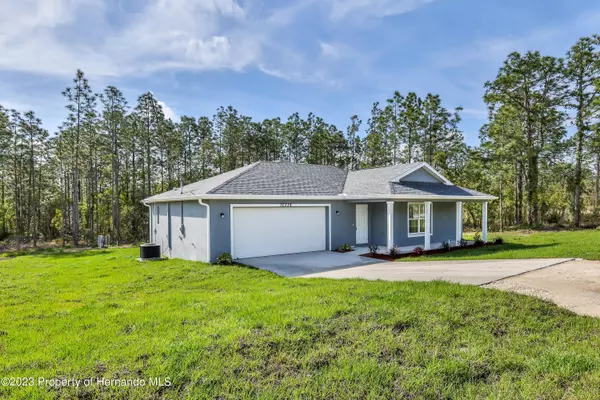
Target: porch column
{"points": [[484, 220], [459, 222], [390, 225], [427, 225]]}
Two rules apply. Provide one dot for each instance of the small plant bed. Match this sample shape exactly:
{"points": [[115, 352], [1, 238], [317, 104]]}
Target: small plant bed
{"points": [[345, 248], [418, 251]]}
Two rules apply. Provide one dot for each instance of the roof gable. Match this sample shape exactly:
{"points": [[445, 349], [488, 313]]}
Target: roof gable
{"points": [[422, 172]]}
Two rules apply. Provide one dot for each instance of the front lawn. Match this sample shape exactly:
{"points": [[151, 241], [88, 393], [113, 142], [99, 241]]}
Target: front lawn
{"points": [[235, 332], [563, 244]]}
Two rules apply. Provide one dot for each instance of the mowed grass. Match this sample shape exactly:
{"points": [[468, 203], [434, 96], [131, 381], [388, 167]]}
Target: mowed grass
{"points": [[235, 332], [563, 244]]}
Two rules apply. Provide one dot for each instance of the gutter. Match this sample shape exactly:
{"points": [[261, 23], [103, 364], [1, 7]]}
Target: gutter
{"points": [[207, 229], [381, 197], [377, 197]]}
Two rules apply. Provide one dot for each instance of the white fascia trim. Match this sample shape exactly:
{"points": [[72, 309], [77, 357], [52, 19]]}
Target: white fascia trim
{"points": [[285, 198], [384, 197], [429, 168], [170, 200]]}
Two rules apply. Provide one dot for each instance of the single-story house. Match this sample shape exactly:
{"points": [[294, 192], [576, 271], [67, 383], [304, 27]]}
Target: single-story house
{"points": [[273, 208]]}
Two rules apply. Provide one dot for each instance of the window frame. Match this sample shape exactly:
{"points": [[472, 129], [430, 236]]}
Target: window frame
{"points": [[408, 219]]}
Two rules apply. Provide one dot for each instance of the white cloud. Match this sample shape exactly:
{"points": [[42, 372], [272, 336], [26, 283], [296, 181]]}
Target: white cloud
{"points": [[46, 36], [168, 111], [374, 8], [329, 50], [108, 39]]}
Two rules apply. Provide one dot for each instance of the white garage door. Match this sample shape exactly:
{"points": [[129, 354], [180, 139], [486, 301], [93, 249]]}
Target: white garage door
{"points": [[267, 231]]}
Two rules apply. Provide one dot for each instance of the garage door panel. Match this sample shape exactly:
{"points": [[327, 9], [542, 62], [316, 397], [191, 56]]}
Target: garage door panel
{"points": [[265, 231]]}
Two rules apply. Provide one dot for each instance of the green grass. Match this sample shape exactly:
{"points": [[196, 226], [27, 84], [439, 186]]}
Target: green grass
{"points": [[235, 332], [563, 244]]}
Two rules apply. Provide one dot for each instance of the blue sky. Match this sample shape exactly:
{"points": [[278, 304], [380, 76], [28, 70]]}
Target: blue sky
{"points": [[271, 58]]}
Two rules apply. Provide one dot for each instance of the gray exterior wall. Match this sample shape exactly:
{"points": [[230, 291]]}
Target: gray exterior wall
{"points": [[342, 230], [444, 224], [189, 245], [420, 175], [192, 244]]}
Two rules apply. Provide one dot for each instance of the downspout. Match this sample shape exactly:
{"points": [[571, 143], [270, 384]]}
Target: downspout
{"points": [[207, 229], [149, 222]]}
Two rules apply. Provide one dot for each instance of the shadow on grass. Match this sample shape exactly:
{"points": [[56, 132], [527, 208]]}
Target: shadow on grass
{"points": [[56, 253], [529, 250]]}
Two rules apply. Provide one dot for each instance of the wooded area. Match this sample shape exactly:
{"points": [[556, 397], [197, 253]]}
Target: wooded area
{"points": [[539, 152]]}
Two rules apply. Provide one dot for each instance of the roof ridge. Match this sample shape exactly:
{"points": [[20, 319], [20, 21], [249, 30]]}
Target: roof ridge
{"points": [[213, 190], [387, 166]]}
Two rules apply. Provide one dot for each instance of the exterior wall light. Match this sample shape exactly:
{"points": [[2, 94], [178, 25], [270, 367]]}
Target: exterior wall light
{"points": [[222, 215]]}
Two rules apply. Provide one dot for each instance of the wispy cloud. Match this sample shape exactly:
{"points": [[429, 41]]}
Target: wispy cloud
{"points": [[43, 36], [373, 8]]}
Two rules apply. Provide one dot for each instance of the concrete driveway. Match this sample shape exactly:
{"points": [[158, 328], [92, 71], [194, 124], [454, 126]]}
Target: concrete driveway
{"points": [[473, 272], [574, 285], [294, 265]]}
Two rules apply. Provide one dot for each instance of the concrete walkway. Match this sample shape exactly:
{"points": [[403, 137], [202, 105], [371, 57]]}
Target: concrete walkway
{"points": [[473, 272], [294, 265]]}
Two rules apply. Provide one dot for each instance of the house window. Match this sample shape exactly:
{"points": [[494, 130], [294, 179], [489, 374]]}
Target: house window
{"points": [[416, 219]]}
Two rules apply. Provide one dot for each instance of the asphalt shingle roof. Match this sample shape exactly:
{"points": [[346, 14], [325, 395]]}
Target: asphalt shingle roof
{"points": [[201, 187], [374, 181], [430, 188], [285, 178], [291, 179]]}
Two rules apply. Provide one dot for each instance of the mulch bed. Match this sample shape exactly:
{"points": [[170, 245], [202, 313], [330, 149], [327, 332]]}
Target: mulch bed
{"points": [[387, 257]]}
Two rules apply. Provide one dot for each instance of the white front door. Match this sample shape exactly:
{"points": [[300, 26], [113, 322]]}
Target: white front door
{"points": [[267, 231], [362, 223]]}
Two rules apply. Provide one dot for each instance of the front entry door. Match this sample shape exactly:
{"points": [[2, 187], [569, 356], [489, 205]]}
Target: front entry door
{"points": [[362, 223]]}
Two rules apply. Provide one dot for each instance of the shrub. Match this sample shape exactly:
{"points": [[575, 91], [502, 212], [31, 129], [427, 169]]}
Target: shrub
{"points": [[463, 242], [477, 238], [224, 259], [395, 251], [373, 249], [418, 251], [344, 248], [446, 245], [498, 240]]}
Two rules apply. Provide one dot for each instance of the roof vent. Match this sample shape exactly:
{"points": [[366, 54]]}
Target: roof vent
{"points": [[180, 185]]}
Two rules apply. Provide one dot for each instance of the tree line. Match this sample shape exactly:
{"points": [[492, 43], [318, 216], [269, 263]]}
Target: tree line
{"points": [[539, 151]]}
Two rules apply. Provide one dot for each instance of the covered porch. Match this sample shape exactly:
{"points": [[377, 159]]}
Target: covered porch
{"points": [[408, 224]]}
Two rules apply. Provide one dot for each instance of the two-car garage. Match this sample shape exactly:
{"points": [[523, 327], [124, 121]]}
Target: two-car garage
{"points": [[266, 230]]}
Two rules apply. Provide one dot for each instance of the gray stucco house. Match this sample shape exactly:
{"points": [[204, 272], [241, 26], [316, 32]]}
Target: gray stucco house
{"points": [[272, 208]]}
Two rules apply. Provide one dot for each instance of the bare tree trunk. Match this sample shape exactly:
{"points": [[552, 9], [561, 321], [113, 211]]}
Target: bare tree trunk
{"points": [[597, 180], [501, 207]]}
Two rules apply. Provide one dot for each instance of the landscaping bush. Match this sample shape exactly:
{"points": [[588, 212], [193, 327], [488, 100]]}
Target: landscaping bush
{"points": [[224, 259], [373, 249], [446, 245], [395, 251], [418, 251], [463, 242], [498, 240], [344, 248], [477, 238]]}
